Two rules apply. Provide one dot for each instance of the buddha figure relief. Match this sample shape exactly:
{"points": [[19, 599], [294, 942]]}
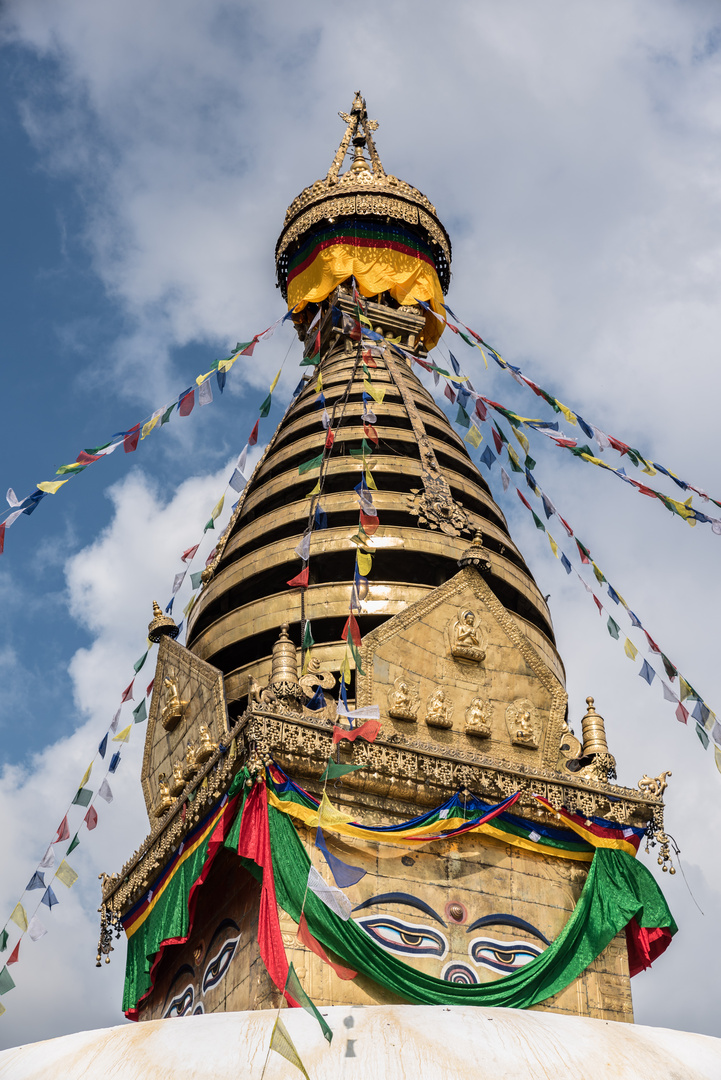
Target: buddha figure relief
{"points": [[522, 723], [165, 801], [466, 639], [191, 761], [177, 780], [478, 719], [174, 707], [439, 709], [403, 700], [206, 747]]}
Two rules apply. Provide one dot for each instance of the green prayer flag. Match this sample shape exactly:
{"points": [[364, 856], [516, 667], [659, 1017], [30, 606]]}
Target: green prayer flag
{"points": [[141, 713], [462, 418], [513, 459], [139, 663], [310, 361], [6, 982], [702, 736], [97, 449], [530, 462], [314, 463], [3, 940], [210, 524], [166, 414], [613, 627], [73, 844], [75, 467], [539, 524], [334, 771], [195, 579], [265, 407], [356, 655], [297, 992], [83, 797], [308, 641]]}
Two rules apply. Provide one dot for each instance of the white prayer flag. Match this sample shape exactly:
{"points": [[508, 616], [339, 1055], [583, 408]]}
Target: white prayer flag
{"points": [[114, 722], [668, 693], [12, 498], [303, 548], [325, 419], [12, 518], [237, 481], [368, 712], [104, 791], [242, 459], [505, 479], [333, 898], [48, 859], [36, 930], [205, 393], [178, 581]]}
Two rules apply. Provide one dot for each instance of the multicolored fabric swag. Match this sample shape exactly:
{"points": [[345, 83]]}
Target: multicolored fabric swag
{"points": [[381, 257]]}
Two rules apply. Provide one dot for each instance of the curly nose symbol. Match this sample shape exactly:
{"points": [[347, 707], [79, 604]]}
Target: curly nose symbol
{"points": [[459, 973]]}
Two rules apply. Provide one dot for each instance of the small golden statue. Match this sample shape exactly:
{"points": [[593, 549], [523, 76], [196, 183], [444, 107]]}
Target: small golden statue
{"points": [[166, 800], [206, 747], [466, 643], [191, 762], [314, 678], [654, 787], [259, 695], [438, 710], [173, 708], [477, 720], [177, 780], [402, 701], [520, 717]]}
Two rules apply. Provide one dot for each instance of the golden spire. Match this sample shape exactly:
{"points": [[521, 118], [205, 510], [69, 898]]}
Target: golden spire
{"points": [[161, 625], [594, 731], [356, 120]]}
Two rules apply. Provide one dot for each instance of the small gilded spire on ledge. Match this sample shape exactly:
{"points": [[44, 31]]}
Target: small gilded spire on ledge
{"points": [[475, 555], [161, 625]]}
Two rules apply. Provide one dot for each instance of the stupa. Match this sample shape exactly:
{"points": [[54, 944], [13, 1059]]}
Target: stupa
{"points": [[465, 856]]}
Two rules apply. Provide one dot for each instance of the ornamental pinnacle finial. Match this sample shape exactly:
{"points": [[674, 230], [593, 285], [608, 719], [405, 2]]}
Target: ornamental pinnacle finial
{"points": [[594, 731], [161, 625], [475, 555], [360, 130]]}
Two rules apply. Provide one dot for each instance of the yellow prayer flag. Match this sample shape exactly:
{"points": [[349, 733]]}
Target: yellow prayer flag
{"points": [[66, 874], [319, 384], [717, 757], [513, 455], [552, 542], [366, 322], [649, 469], [375, 391], [123, 735], [485, 361], [2, 1009], [370, 482], [315, 491], [19, 917], [147, 428], [51, 486], [201, 378], [274, 383], [281, 1042], [86, 777], [571, 417], [474, 436], [521, 438], [365, 561], [217, 509], [328, 815], [189, 606], [226, 365], [630, 649], [345, 667]]}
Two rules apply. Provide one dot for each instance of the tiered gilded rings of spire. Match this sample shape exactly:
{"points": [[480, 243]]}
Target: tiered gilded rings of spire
{"points": [[241, 610]]}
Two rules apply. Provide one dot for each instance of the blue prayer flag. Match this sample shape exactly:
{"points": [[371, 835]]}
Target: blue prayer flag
{"points": [[565, 563], [114, 761], [37, 881], [488, 457], [221, 376], [344, 873], [103, 745], [317, 701], [49, 898], [647, 672], [456, 365]]}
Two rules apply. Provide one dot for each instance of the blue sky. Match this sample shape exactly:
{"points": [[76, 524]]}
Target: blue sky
{"points": [[149, 155]]}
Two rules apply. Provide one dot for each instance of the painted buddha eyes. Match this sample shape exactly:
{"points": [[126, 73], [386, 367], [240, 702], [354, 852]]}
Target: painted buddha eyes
{"points": [[182, 1003], [217, 967], [405, 938], [503, 956]]}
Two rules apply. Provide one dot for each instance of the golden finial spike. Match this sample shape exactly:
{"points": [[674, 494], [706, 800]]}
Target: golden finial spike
{"points": [[161, 625], [358, 128], [594, 731]]}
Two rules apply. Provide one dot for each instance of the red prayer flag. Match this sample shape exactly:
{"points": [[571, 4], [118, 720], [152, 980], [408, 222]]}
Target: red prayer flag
{"points": [[644, 945], [252, 440], [368, 523], [187, 402], [329, 439], [354, 335], [130, 442], [188, 555], [368, 358], [681, 714], [249, 350], [91, 818], [498, 441], [370, 433], [128, 693], [523, 499], [582, 552], [352, 627], [2, 538], [598, 604], [150, 686], [368, 731], [14, 955], [88, 459], [651, 642], [306, 938], [300, 580], [63, 831], [481, 410], [565, 524], [618, 445], [449, 394]]}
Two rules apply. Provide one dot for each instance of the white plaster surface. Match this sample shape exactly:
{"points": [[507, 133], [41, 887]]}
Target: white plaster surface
{"points": [[383, 1042]]}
